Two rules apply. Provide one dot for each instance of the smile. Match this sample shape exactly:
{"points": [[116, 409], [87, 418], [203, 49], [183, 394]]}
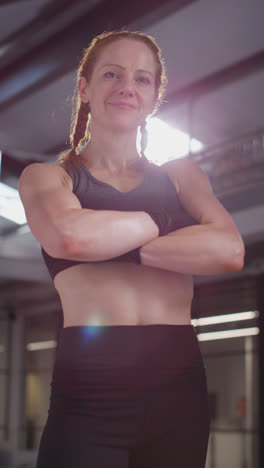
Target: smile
{"points": [[123, 105]]}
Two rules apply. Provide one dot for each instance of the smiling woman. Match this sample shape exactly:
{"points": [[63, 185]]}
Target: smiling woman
{"points": [[122, 85], [121, 238], [113, 63]]}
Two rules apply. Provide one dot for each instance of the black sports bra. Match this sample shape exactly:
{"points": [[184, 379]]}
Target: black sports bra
{"points": [[156, 195]]}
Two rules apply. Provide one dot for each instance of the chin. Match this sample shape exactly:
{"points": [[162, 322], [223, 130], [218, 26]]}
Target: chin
{"points": [[123, 125]]}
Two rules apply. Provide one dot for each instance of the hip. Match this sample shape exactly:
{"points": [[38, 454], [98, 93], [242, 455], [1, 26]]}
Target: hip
{"points": [[123, 361]]}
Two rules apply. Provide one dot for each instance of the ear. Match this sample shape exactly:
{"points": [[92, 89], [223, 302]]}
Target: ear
{"points": [[83, 89]]}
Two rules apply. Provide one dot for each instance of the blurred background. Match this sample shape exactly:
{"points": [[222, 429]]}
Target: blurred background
{"points": [[213, 114]]}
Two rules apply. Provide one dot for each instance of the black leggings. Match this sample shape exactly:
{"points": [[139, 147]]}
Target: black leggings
{"points": [[127, 397]]}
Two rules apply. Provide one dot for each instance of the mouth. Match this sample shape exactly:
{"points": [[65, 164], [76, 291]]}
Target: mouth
{"points": [[123, 105]]}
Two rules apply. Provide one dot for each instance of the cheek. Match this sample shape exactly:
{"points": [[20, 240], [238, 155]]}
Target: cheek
{"points": [[98, 98], [149, 102], [100, 90]]}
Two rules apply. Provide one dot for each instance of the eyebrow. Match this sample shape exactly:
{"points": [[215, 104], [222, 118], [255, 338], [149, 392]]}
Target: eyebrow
{"points": [[123, 68]]}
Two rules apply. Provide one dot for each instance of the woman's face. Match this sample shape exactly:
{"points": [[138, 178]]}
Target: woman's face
{"points": [[121, 91]]}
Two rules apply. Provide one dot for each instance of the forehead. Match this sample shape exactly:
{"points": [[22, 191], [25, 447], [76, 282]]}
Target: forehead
{"points": [[128, 53]]}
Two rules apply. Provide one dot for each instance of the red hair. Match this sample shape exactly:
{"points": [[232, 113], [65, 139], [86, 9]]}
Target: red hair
{"points": [[81, 111]]}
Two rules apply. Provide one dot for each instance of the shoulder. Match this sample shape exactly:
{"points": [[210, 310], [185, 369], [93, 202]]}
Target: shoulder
{"points": [[66, 174], [37, 173], [185, 173], [181, 166]]}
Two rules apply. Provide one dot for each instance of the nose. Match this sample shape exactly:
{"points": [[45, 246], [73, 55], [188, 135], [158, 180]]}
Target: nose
{"points": [[126, 88], [126, 92]]}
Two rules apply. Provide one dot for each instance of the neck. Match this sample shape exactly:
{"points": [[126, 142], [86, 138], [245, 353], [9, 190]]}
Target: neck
{"points": [[113, 152]]}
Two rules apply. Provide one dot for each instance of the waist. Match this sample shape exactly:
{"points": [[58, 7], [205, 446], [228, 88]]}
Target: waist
{"points": [[118, 361], [127, 294], [119, 345]]}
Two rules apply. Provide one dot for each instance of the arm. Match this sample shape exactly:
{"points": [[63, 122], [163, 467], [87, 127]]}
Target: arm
{"points": [[212, 247], [66, 230]]}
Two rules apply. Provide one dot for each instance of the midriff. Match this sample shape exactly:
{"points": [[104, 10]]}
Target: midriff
{"points": [[120, 293]]}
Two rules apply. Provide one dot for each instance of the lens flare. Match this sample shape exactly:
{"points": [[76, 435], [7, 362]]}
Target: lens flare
{"points": [[94, 328]]}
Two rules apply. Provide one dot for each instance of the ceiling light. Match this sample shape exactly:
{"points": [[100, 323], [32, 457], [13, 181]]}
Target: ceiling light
{"points": [[220, 335], [225, 318], [41, 345]]}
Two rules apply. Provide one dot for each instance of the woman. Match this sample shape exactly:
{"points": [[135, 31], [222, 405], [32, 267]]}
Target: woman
{"points": [[121, 238]]}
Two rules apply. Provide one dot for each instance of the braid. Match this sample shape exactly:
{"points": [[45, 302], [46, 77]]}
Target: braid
{"points": [[79, 131], [144, 137]]}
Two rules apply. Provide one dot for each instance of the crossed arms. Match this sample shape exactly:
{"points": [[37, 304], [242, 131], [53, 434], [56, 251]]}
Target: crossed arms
{"points": [[66, 230]]}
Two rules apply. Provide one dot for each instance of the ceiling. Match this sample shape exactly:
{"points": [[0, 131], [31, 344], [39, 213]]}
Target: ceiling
{"points": [[214, 52]]}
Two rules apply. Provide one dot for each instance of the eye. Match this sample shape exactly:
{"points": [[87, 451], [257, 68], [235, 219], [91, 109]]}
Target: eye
{"points": [[144, 80], [110, 74]]}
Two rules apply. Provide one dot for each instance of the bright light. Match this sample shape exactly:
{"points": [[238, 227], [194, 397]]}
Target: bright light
{"points": [[10, 204], [41, 345], [225, 318], [220, 335], [166, 143]]}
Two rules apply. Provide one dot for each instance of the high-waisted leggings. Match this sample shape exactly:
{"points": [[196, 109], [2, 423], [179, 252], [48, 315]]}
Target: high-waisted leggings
{"points": [[127, 397]]}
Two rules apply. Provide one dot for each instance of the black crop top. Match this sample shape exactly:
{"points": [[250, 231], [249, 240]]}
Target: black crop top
{"points": [[156, 194]]}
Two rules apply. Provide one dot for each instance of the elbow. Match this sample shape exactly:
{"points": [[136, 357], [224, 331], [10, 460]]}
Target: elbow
{"points": [[66, 243], [83, 249], [237, 264], [63, 247], [70, 247], [235, 261]]}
